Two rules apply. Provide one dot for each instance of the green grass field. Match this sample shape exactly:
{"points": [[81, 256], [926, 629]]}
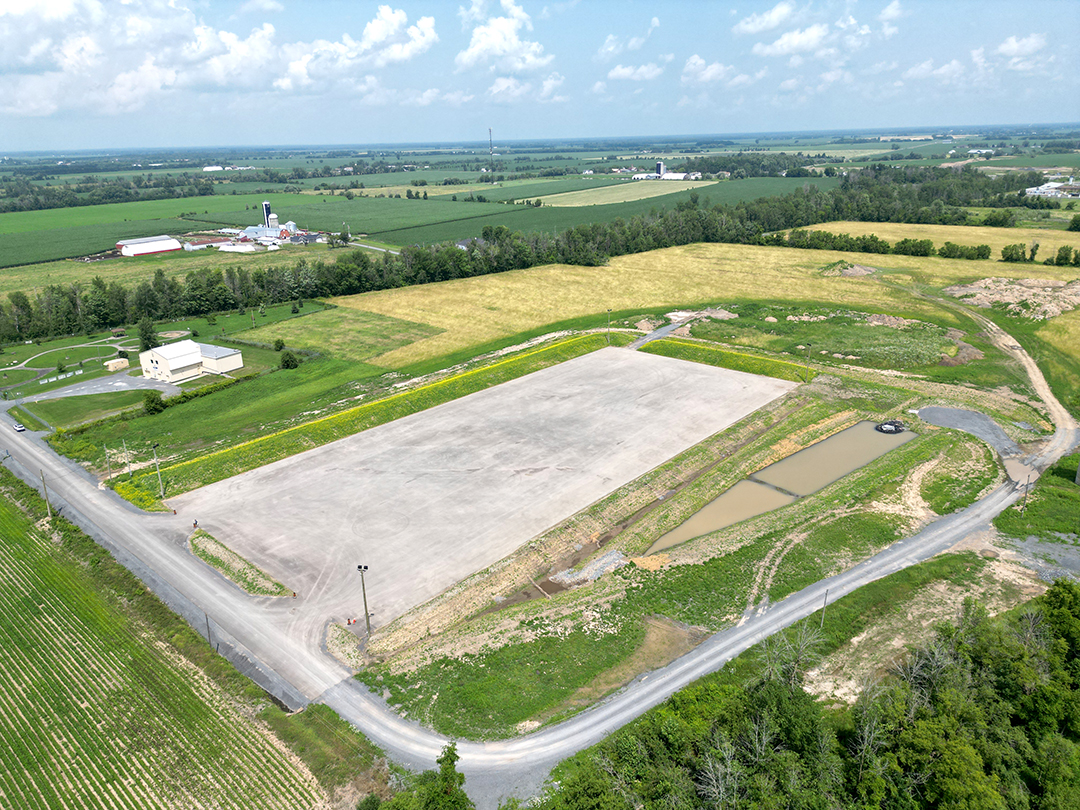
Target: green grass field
{"points": [[68, 411], [638, 190], [93, 713], [1052, 508]]}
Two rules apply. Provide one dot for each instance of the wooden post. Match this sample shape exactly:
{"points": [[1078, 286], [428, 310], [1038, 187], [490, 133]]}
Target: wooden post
{"points": [[823, 606], [45, 493]]}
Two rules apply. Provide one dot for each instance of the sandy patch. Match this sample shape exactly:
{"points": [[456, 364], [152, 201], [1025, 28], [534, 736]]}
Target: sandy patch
{"points": [[1029, 297]]}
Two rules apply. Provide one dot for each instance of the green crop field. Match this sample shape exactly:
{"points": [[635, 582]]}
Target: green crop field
{"points": [[94, 714]]}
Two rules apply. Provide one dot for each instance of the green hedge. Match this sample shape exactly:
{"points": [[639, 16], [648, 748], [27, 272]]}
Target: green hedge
{"points": [[737, 361], [217, 466]]}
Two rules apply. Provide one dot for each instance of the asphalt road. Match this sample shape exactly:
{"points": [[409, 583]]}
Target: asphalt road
{"points": [[266, 637]]}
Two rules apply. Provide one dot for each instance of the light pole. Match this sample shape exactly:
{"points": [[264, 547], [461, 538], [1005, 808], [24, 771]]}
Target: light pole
{"points": [[161, 486], [609, 327], [806, 377], [363, 589]]}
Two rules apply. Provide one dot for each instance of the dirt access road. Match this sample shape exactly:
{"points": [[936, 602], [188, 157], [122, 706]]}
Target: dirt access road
{"points": [[259, 641]]}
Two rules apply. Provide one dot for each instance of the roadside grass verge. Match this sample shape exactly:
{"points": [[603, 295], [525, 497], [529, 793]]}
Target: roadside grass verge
{"points": [[132, 721], [724, 358], [485, 695], [968, 468], [26, 419], [234, 567], [68, 411], [845, 619], [239, 458], [1053, 507]]}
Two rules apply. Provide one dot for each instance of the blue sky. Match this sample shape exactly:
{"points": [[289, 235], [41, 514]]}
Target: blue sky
{"points": [[130, 73]]}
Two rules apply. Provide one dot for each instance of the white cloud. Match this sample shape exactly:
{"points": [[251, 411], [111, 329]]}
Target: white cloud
{"points": [[635, 43], [549, 86], [882, 67], [796, 41], [744, 79], [1022, 47], [457, 97], [948, 73], [696, 71], [766, 21], [497, 41], [789, 84], [641, 73], [893, 11], [265, 6], [507, 88], [612, 47], [131, 89], [599, 87]]}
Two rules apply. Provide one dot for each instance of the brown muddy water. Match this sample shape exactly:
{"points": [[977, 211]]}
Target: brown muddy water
{"points": [[782, 482]]}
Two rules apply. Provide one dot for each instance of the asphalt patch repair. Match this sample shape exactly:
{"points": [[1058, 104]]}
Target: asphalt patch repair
{"points": [[434, 497]]}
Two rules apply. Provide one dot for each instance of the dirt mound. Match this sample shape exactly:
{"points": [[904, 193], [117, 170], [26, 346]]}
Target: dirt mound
{"points": [[1034, 298]]}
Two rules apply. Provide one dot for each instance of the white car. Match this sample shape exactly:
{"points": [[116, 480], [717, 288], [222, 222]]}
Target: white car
{"points": [[18, 428]]}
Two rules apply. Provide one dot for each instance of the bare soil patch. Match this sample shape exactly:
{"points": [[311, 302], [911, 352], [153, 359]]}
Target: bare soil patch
{"points": [[1037, 298]]}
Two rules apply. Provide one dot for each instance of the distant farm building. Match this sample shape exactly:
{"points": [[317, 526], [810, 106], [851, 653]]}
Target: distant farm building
{"points": [[1069, 189], [186, 360], [116, 364], [148, 245]]}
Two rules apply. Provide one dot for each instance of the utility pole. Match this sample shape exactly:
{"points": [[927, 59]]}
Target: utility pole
{"points": [[806, 376], [363, 588], [108, 464], [609, 327], [128, 456], [823, 606], [45, 493], [1027, 487], [491, 155], [161, 486]]}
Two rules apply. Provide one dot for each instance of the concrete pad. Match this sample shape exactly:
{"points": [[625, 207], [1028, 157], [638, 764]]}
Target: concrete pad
{"points": [[431, 498]]}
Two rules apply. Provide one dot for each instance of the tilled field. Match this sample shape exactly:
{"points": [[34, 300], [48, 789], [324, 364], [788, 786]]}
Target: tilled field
{"points": [[94, 714]]}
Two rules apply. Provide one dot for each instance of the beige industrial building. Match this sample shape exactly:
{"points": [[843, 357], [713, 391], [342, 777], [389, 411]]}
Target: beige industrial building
{"points": [[186, 360]]}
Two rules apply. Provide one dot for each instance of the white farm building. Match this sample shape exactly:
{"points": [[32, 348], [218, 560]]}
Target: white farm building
{"points": [[186, 360], [148, 245]]}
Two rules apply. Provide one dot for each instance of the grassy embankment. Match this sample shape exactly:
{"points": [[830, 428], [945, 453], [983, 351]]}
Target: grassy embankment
{"points": [[139, 709], [69, 411], [234, 567]]}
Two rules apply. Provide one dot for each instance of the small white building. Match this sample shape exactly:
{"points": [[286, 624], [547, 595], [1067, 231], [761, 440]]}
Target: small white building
{"points": [[186, 360]]}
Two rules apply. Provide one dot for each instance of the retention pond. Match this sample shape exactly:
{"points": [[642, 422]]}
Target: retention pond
{"points": [[784, 481]]}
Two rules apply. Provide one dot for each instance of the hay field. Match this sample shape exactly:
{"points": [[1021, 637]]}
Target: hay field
{"points": [[624, 192], [997, 238], [478, 310]]}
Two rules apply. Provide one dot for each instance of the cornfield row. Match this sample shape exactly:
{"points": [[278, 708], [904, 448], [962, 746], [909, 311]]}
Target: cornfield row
{"points": [[94, 715]]}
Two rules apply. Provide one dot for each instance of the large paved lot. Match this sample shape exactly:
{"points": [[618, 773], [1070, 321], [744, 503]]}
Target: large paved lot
{"points": [[429, 499]]}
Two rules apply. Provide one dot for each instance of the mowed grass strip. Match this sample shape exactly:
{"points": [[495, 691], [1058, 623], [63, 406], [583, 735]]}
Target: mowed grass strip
{"points": [[234, 567], [484, 309], [240, 458], [724, 358], [93, 713], [68, 411]]}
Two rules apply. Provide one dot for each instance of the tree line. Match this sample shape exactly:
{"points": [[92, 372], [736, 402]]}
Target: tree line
{"points": [[986, 715], [878, 195]]}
